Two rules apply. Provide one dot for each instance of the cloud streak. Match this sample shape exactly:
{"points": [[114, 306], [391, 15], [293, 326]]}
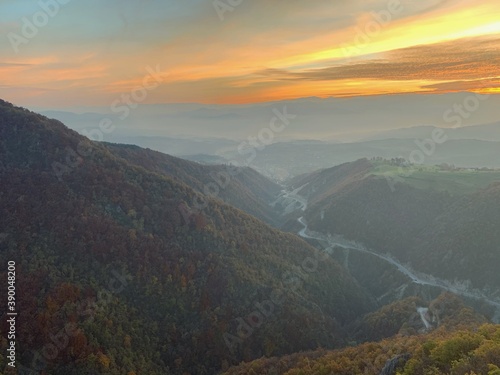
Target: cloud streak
{"points": [[263, 50], [473, 58]]}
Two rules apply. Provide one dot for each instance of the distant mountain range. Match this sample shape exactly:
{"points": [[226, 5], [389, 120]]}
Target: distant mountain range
{"points": [[330, 119], [324, 132], [287, 160], [487, 132]]}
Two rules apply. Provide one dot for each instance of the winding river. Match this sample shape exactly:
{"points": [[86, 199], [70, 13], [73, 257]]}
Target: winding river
{"points": [[417, 278]]}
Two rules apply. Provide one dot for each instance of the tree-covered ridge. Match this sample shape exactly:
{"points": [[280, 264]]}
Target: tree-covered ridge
{"points": [[403, 317], [241, 187], [321, 184], [118, 272], [461, 345], [440, 232], [442, 353]]}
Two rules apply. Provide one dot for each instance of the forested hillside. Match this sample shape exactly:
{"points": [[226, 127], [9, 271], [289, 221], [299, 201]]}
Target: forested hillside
{"points": [[116, 266], [126, 266], [462, 345], [242, 187], [463, 352], [439, 227], [465, 240]]}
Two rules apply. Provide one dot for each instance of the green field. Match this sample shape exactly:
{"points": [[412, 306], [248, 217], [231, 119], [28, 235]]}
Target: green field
{"points": [[457, 181]]}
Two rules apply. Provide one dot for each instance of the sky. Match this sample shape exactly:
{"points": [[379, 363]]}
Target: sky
{"points": [[69, 53]]}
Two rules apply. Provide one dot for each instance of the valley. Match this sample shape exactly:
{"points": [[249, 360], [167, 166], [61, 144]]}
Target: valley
{"points": [[261, 187], [198, 271], [457, 287]]}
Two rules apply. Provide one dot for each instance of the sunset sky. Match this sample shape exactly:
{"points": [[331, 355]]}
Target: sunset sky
{"points": [[87, 53]]}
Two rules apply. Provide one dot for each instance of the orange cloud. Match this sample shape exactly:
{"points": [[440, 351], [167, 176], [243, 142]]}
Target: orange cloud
{"points": [[267, 51]]}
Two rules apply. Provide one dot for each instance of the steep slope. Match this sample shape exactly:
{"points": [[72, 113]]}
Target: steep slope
{"points": [[297, 158], [321, 184], [117, 274], [243, 188], [463, 344], [463, 352], [464, 240], [369, 212], [426, 218]]}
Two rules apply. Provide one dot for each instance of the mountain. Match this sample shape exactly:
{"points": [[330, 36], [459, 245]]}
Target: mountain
{"points": [[206, 159], [118, 273], [320, 184], [295, 158], [464, 240], [463, 344], [226, 131], [331, 119], [241, 187], [485, 132], [439, 220]]}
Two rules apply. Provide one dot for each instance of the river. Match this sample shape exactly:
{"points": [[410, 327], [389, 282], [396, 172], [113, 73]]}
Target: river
{"points": [[417, 278]]}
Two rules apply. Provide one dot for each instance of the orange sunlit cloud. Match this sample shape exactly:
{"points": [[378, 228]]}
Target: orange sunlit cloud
{"points": [[262, 51]]}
